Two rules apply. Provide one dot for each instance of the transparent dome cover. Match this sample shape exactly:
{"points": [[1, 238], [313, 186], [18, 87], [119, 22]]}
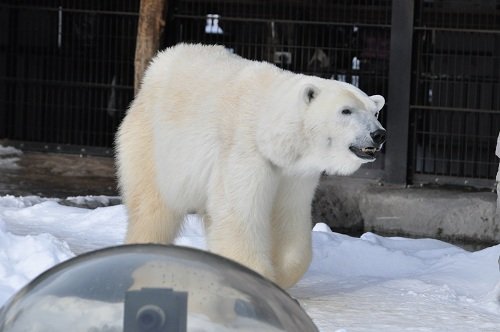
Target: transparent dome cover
{"points": [[152, 288]]}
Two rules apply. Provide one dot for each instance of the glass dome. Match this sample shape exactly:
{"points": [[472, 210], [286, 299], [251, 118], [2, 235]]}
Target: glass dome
{"points": [[152, 288]]}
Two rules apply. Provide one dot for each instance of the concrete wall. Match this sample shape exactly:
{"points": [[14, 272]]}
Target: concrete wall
{"points": [[352, 205]]}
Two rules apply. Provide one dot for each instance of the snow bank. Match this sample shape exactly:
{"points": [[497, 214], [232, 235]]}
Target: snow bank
{"points": [[371, 283], [9, 150], [22, 258], [9, 156]]}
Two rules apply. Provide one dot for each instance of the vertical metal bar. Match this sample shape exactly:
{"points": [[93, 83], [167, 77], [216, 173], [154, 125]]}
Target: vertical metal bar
{"points": [[434, 134], [489, 146], [4, 90], [425, 140], [412, 161], [396, 161], [447, 143], [59, 27]]}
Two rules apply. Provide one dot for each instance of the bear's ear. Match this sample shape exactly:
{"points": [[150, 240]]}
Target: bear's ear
{"points": [[309, 93], [378, 100]]}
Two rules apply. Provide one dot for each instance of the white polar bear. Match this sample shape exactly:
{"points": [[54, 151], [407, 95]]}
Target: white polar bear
{"points": [[242, 143]]}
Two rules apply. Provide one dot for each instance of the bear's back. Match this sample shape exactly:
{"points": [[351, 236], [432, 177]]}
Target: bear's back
{"points": [[196, 61]]}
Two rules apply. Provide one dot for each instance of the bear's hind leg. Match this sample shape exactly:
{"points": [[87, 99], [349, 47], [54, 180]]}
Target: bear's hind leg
{"points": [[150, 220]]}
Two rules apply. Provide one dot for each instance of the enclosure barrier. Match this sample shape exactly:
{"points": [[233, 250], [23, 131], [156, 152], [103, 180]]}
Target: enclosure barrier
{"points": [[66, 70]]}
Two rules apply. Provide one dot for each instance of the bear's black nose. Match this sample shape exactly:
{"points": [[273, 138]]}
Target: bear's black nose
{"points": [[378, 136]]}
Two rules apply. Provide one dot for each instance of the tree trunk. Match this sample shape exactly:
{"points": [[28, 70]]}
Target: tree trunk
{"points": [[149, 31]]}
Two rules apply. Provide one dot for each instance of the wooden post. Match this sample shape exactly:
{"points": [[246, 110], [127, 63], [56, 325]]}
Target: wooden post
{"points": [[149, 31]]}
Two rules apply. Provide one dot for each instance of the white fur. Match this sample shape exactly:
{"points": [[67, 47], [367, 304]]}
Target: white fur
{"points": [[241, 142]]}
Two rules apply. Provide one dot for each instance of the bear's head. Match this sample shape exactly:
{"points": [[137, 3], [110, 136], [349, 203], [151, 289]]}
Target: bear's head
{"points": [[341, 125], [329, 127]]}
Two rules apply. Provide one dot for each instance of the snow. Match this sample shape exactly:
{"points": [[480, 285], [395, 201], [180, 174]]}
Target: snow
{"points": [[371, 283], [9, 156], [9, 150]]}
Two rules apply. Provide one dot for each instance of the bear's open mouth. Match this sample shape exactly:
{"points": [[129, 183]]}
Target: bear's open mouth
{"points": [[364, 153]]}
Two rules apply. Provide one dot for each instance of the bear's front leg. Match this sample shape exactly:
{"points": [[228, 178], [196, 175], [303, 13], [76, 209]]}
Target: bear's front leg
{"points": [[291, 228], [240, 198]]}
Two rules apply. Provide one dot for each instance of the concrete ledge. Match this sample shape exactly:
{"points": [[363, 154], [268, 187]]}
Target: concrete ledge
{"points": [[449, 214]]}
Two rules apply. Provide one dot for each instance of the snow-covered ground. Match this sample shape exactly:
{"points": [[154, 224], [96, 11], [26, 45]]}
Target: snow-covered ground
{"points": [[9, 156], [371, 283]]}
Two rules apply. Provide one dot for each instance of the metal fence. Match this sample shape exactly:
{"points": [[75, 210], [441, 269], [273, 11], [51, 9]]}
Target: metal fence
{"points": [[66, 69], [455, 104]]}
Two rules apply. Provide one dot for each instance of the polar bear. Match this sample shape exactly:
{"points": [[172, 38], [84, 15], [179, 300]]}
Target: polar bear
{"points": [[243, 143]]}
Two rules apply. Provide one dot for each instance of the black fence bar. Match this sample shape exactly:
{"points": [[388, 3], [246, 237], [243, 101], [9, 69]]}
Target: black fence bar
{"points": [[399, 92]]}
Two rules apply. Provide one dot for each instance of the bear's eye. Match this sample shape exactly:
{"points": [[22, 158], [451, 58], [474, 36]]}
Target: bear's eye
{"points": [[376, 115], [346, 112]]}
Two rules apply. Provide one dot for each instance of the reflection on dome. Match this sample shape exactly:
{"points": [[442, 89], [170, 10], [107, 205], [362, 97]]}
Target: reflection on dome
{"points": [[152, 288]]}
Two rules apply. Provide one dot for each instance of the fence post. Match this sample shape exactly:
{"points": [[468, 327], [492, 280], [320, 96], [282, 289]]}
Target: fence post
{"points": [[497, 214], [396, 158], [149, 30]]}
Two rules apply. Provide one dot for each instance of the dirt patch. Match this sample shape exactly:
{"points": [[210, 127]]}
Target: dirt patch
{"points": [[56, 175]]}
